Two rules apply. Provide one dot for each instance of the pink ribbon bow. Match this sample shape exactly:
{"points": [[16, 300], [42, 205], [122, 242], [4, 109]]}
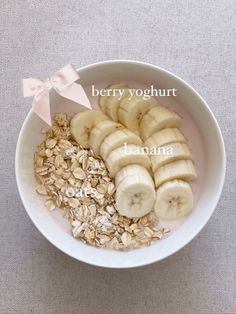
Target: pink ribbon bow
{"points": [[63, 82]]}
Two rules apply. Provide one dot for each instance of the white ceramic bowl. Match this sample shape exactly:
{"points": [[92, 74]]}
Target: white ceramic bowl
{"points": [[52, 225]]}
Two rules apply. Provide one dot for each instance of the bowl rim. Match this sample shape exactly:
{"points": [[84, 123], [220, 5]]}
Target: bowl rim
{"points": [[197, 229]]}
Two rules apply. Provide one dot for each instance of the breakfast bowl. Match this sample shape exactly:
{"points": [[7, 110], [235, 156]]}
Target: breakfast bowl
{"points": [[200, 128]]}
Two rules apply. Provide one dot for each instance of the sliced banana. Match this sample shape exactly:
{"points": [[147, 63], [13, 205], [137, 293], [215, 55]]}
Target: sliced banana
{"points": [[132, 170], [180, 169], [82, 124], [99, 133], [135, 196], [164, 137], [169, 153], [132, 109], [110, 104], [121, 157], [117, 139], [156, 119], [174, 199], [103, 99]]}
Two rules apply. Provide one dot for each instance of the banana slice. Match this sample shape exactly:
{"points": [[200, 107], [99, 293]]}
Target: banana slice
{"points": [[174, 199], [169, 153], [82, 124], [103, 99], [102, 102], [117, 139], [156, 119], [135, 196], [110, 104], [100, 131], [132, 110], [180, 169], [164, 137], [132, 170], [121, 157]]}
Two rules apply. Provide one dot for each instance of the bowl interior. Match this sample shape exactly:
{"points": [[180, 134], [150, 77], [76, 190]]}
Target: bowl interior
{"points": [[57, 230]]}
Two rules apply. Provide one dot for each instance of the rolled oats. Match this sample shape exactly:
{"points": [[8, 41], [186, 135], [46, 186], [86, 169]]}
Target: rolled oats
{"points": [[50, 205], [79, 173]]}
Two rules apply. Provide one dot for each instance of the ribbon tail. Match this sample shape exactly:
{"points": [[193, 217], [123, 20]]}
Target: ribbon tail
{"points": [[76, 93], [41, 107]]}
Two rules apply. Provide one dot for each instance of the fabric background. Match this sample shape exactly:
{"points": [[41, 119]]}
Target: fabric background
{"points": [[193, 39]]}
